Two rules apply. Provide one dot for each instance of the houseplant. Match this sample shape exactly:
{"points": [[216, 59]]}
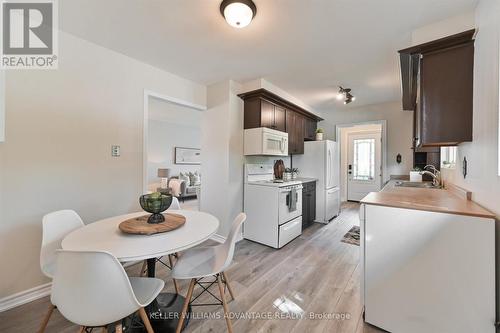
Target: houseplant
{"points": [[295, 172], [288, 174], [319, 134]]}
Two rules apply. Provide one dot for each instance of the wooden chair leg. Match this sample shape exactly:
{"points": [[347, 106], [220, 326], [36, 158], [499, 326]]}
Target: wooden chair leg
{"points": [[171, 261], [224, 304], [143, 268], [46, 318], [228, 285], [185, 306], [145, 320]]}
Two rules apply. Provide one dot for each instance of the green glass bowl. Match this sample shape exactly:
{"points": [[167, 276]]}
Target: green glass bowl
{"points": [[155, 203]]}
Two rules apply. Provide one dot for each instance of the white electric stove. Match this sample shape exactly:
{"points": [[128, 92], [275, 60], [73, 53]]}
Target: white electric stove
{"points": [[274, 209]]}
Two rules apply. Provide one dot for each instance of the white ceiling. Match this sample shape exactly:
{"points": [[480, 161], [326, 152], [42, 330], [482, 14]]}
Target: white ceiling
{"points": [[305, 47]]}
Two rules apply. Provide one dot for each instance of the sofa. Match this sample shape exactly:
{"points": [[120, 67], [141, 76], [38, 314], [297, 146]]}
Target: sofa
{"points": [[188, 186]]}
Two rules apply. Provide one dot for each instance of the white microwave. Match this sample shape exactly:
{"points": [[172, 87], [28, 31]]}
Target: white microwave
{"points": [[265, 141]]}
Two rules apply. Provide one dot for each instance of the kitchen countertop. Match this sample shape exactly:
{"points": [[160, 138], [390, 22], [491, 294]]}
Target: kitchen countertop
{"points": [[434, 200], [306, 179]]}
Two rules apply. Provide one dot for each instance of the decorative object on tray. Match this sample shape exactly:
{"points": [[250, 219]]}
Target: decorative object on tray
{"points": [[319, 134], [187, 155], [415, 175], [279, 169], [141, 226], [352, 236], [287, 175], [155, 203], [295, 172]]}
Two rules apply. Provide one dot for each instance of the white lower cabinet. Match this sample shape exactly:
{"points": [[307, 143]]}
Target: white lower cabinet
{"points": [[427, 272]]}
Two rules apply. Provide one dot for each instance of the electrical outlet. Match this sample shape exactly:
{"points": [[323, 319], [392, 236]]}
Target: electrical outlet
{"points": [[115, 151]]}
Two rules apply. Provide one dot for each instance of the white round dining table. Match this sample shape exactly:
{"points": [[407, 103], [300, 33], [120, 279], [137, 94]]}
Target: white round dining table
{"points": [[104, 235]]}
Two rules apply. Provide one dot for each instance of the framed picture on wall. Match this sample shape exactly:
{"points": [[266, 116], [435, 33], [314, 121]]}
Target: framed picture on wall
{"points": [[187, 155]]}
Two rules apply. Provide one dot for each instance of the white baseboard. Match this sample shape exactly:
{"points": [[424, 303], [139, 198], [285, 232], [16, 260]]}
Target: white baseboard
{"points": [[24, 297]]}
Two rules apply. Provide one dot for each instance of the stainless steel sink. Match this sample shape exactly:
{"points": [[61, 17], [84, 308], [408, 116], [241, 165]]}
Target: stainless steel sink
{"points": [[417, 184]]}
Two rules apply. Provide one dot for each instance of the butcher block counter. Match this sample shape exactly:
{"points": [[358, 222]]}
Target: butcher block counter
{"points": [[433, 200], [428, 261]]}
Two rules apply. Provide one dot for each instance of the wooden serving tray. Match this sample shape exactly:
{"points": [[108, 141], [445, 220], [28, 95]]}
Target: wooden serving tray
{"points": [[140, 225]]}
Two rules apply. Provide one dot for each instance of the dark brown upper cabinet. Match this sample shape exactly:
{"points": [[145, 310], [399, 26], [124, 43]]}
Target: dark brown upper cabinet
{"points": [[262, 113], [438, 85], [295, 129], [265, 109], [310, 127]]}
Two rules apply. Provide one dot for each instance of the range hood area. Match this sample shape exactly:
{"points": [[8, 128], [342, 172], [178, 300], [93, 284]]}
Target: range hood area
{"points": [[437, 84]]}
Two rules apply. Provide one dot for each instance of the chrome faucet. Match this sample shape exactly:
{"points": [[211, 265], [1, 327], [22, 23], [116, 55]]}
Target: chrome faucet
{"points": [[436, 179], [434, 170], [432, 167]]}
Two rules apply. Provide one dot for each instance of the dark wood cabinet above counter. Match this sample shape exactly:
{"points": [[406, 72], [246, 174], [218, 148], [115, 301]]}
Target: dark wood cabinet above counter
{"points": [[260, 112], [295, 129], [437, 81], [263, 108]]}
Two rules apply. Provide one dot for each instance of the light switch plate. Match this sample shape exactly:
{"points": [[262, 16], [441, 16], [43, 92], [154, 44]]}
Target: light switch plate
{"points": [[115, 151]]}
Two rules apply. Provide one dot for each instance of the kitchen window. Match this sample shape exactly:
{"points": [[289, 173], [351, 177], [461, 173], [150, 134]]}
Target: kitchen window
{"points": [[448, 157], [364, 159]]}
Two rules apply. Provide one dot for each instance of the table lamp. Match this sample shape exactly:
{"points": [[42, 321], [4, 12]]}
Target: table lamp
{"points": [[164, 174]]}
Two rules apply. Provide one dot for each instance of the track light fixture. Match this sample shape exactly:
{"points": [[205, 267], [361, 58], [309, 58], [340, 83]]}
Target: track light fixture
{"points": [[345, 94]]}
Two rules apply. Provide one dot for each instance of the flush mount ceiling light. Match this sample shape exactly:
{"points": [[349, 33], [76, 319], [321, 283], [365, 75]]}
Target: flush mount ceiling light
{"points": [[238, 13], [345, 94]]}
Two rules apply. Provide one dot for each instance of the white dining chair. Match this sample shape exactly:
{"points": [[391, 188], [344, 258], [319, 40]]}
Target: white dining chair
{"points": [[55, 226], [208, 261], [92, 289], [173, 206]]}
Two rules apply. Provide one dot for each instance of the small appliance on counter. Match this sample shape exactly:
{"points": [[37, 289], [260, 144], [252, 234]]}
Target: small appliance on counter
{"points": [[274, 209], [279, 170]]}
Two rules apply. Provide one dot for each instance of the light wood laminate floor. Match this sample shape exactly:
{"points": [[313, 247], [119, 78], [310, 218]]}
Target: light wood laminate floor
{"points": [[315, 275]]}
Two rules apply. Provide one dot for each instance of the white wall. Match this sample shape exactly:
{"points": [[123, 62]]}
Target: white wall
{"points": [[222, 157], [482, 152], [264, 84], [60, 128], [171, 126], [163, 138], [399, 130], [450, 26], [2, 105]]}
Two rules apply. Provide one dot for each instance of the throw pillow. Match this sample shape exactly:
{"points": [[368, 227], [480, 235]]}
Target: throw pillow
{"points": [[195, 179], [185, 177]]}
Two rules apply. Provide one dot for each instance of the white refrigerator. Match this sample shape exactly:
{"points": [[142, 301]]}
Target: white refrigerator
{"points": [[321, 161]]}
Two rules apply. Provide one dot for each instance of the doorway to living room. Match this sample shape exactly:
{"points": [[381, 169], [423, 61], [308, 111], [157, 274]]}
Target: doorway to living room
{"points": [[172, 154]]}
